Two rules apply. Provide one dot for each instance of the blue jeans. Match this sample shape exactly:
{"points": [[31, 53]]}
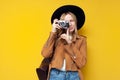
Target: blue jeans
{"points": [[56, 74]]}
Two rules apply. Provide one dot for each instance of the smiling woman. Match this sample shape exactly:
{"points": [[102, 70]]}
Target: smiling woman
{"points": [[68, 49], [25, 25]]}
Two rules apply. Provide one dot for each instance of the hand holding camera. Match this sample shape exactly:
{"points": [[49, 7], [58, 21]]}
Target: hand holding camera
{"points": [[60, 24]]}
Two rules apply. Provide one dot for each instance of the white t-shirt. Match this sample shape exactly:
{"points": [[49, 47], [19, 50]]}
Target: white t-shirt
{"points": [[64, 66]]}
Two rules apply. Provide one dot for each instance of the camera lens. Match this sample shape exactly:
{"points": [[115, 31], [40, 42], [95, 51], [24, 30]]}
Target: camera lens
{"points": [[64, 24]]}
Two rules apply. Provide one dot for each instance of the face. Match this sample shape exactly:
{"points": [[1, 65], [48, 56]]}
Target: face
{"points": [[72, 23]]}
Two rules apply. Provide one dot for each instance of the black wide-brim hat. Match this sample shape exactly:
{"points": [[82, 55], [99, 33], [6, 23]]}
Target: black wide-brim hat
{"points": [[77, 11]]}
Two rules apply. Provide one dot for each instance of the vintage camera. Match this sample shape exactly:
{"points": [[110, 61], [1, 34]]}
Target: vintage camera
{"points": [[64, 24]]}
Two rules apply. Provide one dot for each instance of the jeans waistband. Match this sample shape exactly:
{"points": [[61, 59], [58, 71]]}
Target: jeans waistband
{"points": [[57, 70]]}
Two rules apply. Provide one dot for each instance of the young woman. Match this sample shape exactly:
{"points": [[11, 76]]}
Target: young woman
{"points": [[65, 45]]}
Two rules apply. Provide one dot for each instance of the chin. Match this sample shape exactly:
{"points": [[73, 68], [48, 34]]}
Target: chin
{"points": [[72, 30]]}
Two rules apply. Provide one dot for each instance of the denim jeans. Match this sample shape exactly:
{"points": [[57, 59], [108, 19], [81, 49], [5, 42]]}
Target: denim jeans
{"points": [[56, 74]]}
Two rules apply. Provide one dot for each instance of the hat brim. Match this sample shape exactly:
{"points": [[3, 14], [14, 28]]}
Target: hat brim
{"points": [[77, 11]]}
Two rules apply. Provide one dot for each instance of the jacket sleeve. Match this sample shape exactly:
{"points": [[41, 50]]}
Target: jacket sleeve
{"points": [[78, 55], [48, 47]]}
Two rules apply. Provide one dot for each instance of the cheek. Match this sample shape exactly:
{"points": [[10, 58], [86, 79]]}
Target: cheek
{"points": [[73, 23], [72, 28]]}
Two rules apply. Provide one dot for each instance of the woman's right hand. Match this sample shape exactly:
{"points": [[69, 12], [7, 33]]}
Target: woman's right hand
{"points": [[55, 25]]}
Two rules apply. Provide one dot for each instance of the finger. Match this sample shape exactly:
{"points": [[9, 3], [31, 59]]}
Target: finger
{"points": [[63, 37], [55, 21], [67, 33], [57, 26]]}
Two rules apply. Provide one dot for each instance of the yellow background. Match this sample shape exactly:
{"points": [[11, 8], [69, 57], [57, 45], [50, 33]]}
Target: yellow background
{"points": [[25, 26]]}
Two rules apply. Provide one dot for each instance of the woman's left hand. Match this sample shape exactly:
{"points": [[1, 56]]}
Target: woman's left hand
{"points": [[66, 36]]}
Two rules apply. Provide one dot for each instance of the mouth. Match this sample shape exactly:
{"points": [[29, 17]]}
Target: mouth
{"points": [[71, 28]]}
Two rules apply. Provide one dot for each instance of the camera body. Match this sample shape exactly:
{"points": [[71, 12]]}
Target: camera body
{"points": [[64, 24]]}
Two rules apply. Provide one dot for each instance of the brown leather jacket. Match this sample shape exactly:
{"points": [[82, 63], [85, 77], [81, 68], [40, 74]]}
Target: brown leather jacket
{"points": [[74, 53]]}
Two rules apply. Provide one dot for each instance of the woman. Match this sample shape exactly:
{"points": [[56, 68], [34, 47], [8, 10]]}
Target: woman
{"points": [[65, 45]]}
